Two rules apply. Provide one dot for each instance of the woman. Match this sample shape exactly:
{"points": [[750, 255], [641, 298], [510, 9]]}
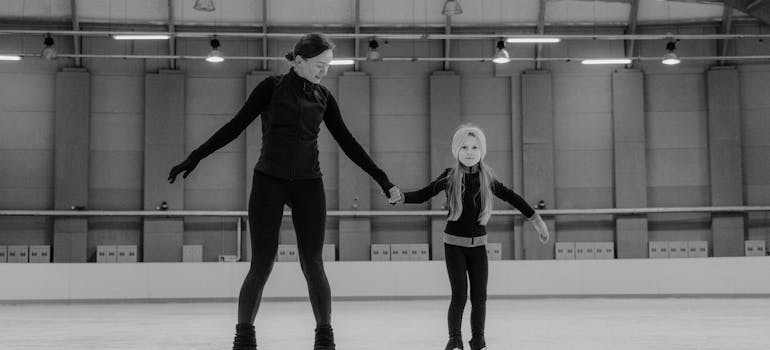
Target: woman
{"points": [[292, 106]]}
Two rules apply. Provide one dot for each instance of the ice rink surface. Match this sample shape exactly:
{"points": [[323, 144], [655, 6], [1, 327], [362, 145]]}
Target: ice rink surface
{"points": [[531, 324]]}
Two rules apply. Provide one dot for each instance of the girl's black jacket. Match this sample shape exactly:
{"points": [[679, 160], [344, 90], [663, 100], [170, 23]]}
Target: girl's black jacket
{"points": [[468, 225]]}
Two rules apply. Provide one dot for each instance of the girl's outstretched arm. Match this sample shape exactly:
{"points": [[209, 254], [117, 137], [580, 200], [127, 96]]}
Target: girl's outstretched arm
{"points": [[519, 203], [428, 192], [507, 194]]}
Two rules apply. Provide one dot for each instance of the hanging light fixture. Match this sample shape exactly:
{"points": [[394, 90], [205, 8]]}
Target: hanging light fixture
{"points": [[204, 5], [49, 51], [215, 55], [373, 54], [451, 8], [670, 58], [502, 55]]}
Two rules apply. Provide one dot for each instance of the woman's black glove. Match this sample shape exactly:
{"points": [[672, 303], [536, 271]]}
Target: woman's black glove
{"points": [[187, 166]]}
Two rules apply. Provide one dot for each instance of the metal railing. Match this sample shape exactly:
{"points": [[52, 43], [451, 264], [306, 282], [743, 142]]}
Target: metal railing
{"points": [[372, 213]]}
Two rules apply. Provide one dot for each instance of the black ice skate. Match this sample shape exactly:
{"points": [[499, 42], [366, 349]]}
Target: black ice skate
{"points": [[245, 338], [455, 343], [324, 338], [478, 344]]}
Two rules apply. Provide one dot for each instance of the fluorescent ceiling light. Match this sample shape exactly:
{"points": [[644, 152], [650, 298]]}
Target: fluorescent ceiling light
{"points": [[341, 62], [141, 37], [607, 61], [10, 58], [533, 40]]}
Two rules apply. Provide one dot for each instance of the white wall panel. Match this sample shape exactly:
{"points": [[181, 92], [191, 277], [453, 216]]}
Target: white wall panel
{"points": [[583, 168], [582, 131], [26, 168], [29, 92], [26, 130], [117, 94], [116, 170], [117, 132]]}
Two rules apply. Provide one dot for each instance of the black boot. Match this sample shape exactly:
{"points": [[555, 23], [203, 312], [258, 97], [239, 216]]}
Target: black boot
{"points": [[324, 338], [245, 338], [478, 343], [455, 343]]}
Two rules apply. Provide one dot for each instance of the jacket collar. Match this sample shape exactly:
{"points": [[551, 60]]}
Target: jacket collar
{"points": [[472, 170]]}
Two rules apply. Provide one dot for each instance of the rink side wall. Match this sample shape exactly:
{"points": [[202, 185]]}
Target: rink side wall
{"points": [[711, 277]]}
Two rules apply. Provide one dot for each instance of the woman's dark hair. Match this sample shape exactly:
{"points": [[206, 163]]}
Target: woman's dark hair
{"points": [[309, 46]]}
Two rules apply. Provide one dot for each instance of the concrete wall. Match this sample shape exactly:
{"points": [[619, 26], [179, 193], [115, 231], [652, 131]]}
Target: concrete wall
{"points": [[675, 120]]}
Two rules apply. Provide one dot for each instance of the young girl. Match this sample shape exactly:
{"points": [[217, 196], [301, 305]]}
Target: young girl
{"points": [[469, 187]]}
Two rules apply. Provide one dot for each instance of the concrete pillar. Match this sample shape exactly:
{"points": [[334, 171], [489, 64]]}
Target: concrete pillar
{"points": [[517, 160], [354, 184], [538, 155], [445, 117], [164, 125], [631, 235], [725, 160], [72, 133]]}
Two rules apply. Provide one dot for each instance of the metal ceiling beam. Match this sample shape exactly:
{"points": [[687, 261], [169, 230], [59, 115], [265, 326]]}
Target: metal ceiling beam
{"points": [[447, 32], [633, 16], [357, 30], [763, 58], [264, 38], [755, 8], [727, 15], [540, 30], [758, 9], [393, 36], [172, 40], [76, 27], [61, 23], [753, 4]]}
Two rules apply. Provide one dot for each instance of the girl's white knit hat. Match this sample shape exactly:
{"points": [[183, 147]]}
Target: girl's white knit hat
{"points": [[465, 131]]}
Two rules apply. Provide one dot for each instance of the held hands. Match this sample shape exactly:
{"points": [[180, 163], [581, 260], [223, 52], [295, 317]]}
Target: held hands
{"points": [[395, 196], [540, 227], [187, 166]]}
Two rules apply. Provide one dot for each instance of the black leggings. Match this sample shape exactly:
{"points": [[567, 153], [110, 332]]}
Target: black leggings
{"points": [[470, 262], [308, 206]]}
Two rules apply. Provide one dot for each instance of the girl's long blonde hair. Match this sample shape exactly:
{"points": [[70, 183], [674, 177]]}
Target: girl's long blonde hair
{"points": [[455, 184]]}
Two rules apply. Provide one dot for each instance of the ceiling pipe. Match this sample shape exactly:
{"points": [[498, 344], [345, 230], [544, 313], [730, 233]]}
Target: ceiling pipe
{"points": [[357, 30], [172, 39], [413, 59], [65, 21], [396, 36], [76, 27], [264, 38], [540, 31], [448, 31]]}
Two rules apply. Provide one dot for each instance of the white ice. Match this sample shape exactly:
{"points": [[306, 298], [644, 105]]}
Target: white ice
{"points": [[531, 324]]}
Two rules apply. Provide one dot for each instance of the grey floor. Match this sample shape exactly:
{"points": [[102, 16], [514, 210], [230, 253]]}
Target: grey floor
{"points": [[658, 323]]}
